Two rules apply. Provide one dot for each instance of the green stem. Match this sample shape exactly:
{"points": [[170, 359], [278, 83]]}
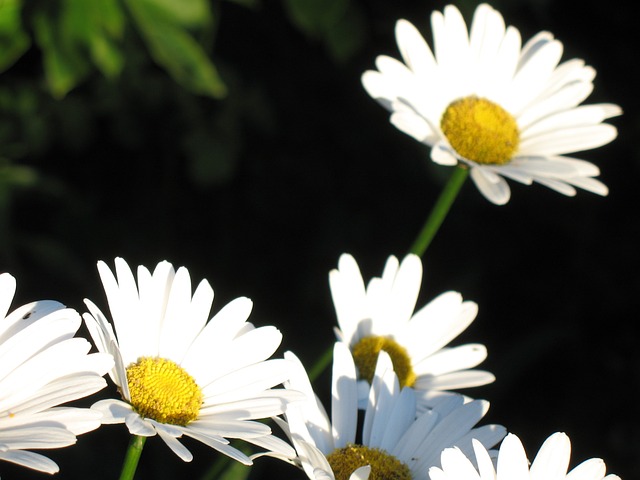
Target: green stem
{"points": [[323, 362], [428, 232], [131, 459], [440, 210]]}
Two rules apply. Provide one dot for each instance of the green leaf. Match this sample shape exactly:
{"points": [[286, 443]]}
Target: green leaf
{"points": [[174, 48], [13, 39], [82, 32], [96, 26], [314, 17], [347, 36], [339, 24], [17, 175], [64, 66], [185, 13]]}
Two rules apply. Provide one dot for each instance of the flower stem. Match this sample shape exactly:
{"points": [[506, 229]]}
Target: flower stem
{"points": [[323, 362], [440, 210], [428, 232], [133, 455]]}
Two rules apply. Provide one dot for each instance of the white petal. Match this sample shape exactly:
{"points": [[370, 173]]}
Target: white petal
{"points": [[184, 317], [592, 469], [457, 380], [512, 460], [139, 426], [384, 391], [361, 473], [415, 126], [409, 445], [552, 460], [31, 460], [533, 73], [557, 185], [40, 433], [26, 315], [403, 295], [457, 465], [177, 447], [576, 117], [442, 155], [402, 416], [589, 184], [275, 445], [436, 324], [450, 430], [154, 291], [248, 349], [487, 435], [344, 396], [484, 462], [221, 329], [122, 296], [494, 188], [543, 167], [222, 447], [566, 98], [349, 296], [451, 40], [308, 419], [113, 411], [452, 359], [76, 420], [569, 140], [379, 88], [415, 51], [246, 382]]}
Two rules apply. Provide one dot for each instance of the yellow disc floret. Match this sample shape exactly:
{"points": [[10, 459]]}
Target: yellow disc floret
{"points": [[344, 461], [365, 355], [481, 131], [163, 391]]}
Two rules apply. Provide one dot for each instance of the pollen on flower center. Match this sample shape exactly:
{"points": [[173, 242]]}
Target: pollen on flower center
{"points": [[163, 391], [365, 355], [344, 461], [480, 130]]}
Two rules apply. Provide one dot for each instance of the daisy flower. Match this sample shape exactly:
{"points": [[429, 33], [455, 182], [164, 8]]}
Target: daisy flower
{"points": [[484, 102], [42, 366], [552, 461], [393, 440], [382, 317], [178, 374]]}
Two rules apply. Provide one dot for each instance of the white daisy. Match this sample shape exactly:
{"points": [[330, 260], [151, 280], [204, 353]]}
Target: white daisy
{"points": [[381, 317], [551, 462], [392, 438], [179, 375], [485, 102], [41, 366]]}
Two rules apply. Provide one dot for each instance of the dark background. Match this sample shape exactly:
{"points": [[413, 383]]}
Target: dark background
{"points": [[262, 191]]}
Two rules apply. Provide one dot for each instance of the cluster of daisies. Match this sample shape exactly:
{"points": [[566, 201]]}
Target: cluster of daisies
{"points": [[394, 412], [483, 103]]}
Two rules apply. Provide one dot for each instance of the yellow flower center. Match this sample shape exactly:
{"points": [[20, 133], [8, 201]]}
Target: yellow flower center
{"points": [[365, 355], [163, 391], [344, 461], [481, 131]]}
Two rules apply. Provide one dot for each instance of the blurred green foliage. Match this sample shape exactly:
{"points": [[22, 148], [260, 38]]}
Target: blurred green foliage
{"points": [[77, 75], [76, 36], [339, 24]]}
